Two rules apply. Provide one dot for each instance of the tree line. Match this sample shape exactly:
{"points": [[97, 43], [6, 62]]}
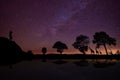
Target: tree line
{"points": [[82, 43]]}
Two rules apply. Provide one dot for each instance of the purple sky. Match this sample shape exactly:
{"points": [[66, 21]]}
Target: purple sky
{"points": [[39, 23]]}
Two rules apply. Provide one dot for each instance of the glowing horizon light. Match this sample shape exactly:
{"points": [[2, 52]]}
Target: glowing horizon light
{"points": [[77, 52]]}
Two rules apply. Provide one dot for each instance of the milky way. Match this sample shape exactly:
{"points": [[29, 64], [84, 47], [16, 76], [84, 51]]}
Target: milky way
{"points": [[38, 23]]}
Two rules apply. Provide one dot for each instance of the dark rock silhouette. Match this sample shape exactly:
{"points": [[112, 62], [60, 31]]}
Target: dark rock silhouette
{"points": [[9, 48], [81, 43], [102, 38], [60, 46], [10, 52]]}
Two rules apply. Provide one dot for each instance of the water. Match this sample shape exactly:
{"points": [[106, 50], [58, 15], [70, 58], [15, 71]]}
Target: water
{"points": [[62, 70]]}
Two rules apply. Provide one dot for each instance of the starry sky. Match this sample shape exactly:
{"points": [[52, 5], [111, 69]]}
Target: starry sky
{"points": [[40, 23]]}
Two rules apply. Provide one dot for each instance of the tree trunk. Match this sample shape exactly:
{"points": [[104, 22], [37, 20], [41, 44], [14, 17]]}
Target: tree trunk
{"points": [[61, 52], [106, 49]]}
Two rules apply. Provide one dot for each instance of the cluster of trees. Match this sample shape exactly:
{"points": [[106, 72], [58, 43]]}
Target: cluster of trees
{"points": [[82, 42]]}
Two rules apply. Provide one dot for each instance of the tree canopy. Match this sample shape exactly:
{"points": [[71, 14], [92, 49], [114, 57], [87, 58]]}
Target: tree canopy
{"points": [[81, 43], [102, 38], [60, 46]]}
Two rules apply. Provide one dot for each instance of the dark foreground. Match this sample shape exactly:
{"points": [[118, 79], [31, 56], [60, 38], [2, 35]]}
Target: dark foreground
{"points": [[15, 59], [62, 69], [75, 56]]}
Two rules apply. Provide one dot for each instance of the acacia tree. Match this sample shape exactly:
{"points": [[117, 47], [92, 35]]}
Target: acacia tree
{"points": [[102, 38], [60, 46], [81, 43]]}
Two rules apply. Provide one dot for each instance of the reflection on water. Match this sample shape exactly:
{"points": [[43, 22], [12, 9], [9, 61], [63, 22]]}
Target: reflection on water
{"points": [[90, 69], [97, 63]]}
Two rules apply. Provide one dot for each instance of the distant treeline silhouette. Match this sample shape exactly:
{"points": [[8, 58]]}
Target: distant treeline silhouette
{"points": [[82, 43], [9, 49]]}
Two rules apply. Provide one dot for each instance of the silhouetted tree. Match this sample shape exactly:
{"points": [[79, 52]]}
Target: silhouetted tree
{"points": [[44, 50], [81, 43], [60, 46], [101, 38]]}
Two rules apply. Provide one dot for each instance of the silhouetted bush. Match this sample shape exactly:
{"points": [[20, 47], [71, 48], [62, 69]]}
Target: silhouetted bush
{"points": [[60, 46], [44, 50]]}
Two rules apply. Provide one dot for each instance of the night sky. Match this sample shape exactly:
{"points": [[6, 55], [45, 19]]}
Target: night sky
{"points": [[40, 23]]}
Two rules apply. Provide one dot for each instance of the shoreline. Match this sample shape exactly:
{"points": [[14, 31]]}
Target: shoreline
{"points": [[75, 56]]}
